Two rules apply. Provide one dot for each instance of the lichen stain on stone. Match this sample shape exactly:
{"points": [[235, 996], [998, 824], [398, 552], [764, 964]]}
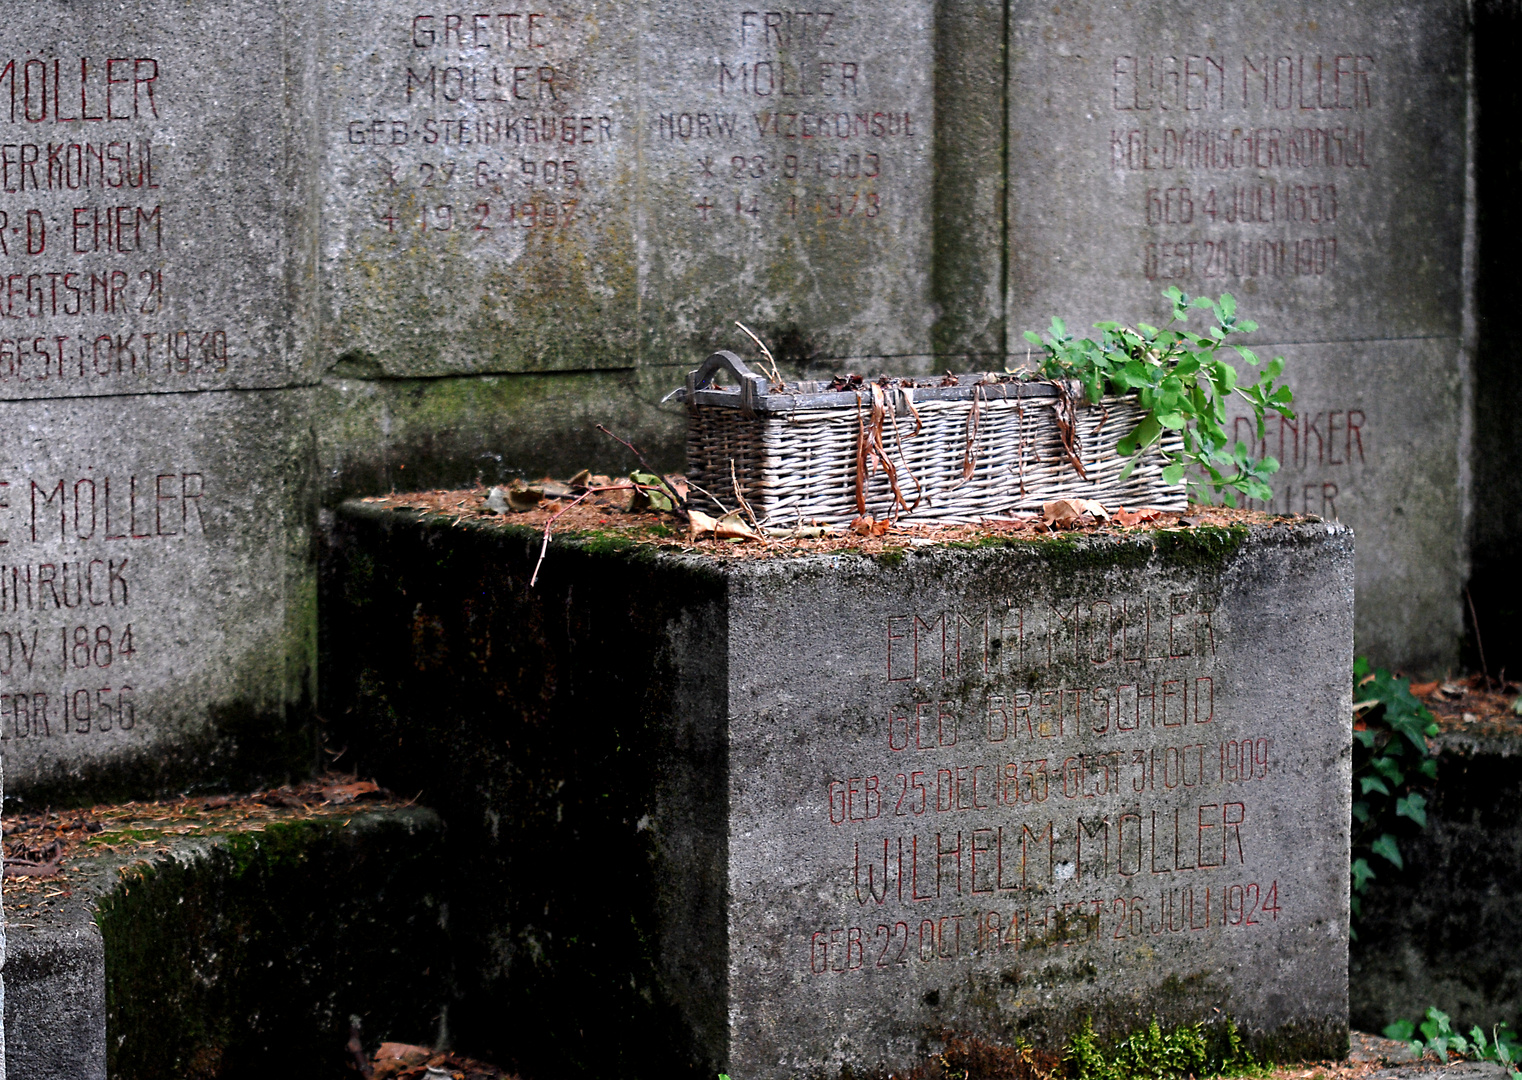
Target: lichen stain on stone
{"points": [[559, 297]]}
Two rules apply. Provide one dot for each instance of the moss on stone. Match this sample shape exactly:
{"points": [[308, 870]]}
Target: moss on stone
{"points": [[1203, 546], [890, 557], [237, 956]]}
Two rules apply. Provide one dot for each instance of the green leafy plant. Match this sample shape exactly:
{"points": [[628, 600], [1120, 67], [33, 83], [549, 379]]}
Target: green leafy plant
{"points": [[1197, 1050], [1390, 758], [1182, 381], [1440, 1039]]}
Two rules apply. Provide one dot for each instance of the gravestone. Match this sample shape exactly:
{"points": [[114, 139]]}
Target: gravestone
{"points": [[994, 790], [1311, 161], [155, 580], [595, 186]]}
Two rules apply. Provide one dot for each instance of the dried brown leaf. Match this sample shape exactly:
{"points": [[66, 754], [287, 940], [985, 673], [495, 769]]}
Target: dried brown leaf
{"points": [[700, 525], [338, 794], [1068, 513], [733, 527], [1129, 518]]}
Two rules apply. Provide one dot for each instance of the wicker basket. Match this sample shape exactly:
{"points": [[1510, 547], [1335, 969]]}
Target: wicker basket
{"points": [[977, 449]]}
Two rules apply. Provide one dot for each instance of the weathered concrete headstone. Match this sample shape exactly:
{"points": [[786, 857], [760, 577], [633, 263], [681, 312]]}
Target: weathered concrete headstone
{"points": [[1310, 160], [156, 622], [158, 222], [593, 186], [156, 618], [993, 791]]}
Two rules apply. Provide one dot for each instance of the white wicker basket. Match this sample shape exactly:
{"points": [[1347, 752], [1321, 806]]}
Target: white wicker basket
{"points": [[987, 446]]}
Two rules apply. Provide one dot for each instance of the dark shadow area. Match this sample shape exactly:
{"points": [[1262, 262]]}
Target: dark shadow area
{"points": [[1442, 930], [1495, 583]]}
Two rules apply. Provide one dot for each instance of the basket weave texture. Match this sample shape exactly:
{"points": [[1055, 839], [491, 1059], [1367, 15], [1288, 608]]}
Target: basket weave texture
{"points": [[957, 454]]}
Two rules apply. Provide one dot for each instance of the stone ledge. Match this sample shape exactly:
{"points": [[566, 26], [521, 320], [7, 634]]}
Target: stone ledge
{"points": [[241, 947], [633, 757]]}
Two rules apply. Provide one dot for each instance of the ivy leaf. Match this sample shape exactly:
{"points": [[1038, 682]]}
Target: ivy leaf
{"points": [[1373, 783], [1386, 848], [1388, 768], [1413, 806], [1363, 873], [1182, 384], [1254, 488]]}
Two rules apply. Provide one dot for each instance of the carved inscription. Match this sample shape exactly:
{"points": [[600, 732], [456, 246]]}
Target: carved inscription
{"points": [[486, 133], [1321, 453], [801, 127], [1049, 775], [1247, 158], [73, 638], [84, 294]]}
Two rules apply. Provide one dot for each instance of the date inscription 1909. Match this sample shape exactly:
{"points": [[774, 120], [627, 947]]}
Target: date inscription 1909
{"points": [[974, 799]]}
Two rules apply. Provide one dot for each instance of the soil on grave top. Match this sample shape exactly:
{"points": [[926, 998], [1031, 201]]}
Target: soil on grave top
{"points": [[1473, 704], [608, 512], [41, 850]]}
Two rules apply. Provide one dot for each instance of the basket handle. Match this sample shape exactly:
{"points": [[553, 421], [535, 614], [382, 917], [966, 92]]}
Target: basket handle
{"points": [[752, 386]]}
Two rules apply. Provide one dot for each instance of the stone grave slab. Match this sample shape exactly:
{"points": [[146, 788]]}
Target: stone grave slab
{"points": [[157, 623], [789, 177], [158, 231], [160, 236], [852, 803], [242, 941], [584, 187], [1312, 162]]}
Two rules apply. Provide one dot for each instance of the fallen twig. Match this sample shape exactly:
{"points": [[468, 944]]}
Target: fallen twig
{"points": [[716, 500], [1479, 642], [745, 506], [676, 498], [775, 374], [545, 547]]}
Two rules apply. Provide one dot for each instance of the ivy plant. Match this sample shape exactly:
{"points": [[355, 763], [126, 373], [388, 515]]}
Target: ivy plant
{"points": [[1390, 760], [1440, 1039], [1182, 381]]}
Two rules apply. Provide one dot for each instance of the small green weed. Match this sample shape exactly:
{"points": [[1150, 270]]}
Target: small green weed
{"points": [[1194, 1050], [1182, 382], [1390, 756], [1440, 1039]]}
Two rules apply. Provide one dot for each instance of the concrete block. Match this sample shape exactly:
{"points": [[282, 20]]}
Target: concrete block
{"points": [[55, 1015], [805, 203], [159, 232], [852, 803], [587, 188], [243, 948], [376, 435], [1312, 161], [157, 592]]}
